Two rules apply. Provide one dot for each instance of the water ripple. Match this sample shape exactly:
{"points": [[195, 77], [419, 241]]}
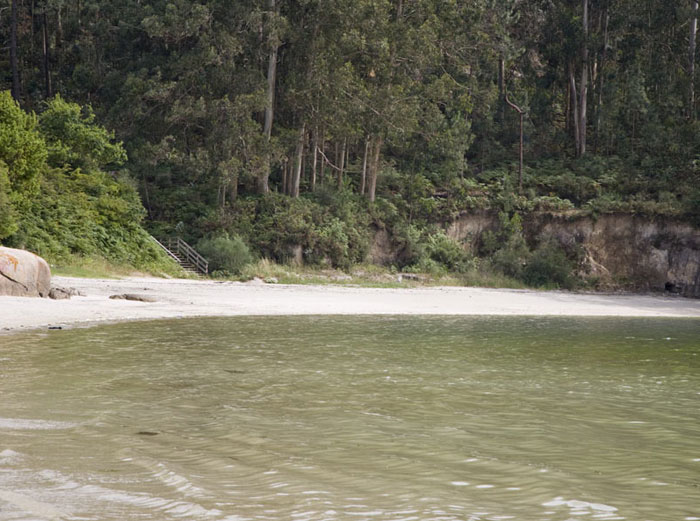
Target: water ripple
{"points": [[353, 418]]}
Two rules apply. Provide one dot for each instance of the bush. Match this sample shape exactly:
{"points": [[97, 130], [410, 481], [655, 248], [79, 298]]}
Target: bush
{"points": [[225, 254], [548, 265], [506, 248], [8, 224], [512, 257], [449, 253]]}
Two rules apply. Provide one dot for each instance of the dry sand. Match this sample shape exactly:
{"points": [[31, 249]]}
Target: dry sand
{"points": [[188, 298]]}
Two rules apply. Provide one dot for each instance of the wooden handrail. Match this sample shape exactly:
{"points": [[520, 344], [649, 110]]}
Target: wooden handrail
{"points": [[166, 250], [189, 253]]}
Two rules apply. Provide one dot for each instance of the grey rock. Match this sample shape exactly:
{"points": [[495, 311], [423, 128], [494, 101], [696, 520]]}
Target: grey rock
{"points": [[59, 293], [133, 296]]}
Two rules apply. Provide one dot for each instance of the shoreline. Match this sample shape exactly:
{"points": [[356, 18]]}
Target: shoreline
{"points": [[184, 298]]}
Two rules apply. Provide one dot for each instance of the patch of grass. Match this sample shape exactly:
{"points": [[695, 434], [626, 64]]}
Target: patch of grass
{"points": [[99, 268], [484, 278], [373, 276]]}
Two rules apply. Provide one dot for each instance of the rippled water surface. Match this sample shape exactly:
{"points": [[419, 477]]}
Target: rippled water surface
{"points": [[356, 418]]}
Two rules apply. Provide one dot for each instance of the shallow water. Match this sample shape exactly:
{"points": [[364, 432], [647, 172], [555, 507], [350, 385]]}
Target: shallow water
{"points": [[378, 418]]}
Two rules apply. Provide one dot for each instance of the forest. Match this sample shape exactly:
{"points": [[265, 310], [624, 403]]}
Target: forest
{"points": [[257, 129]]}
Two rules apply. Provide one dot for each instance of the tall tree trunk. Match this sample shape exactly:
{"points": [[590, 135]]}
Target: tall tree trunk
{"points": [[584, 83], [45, 49], [290, 176], [285, 182], [341, 166], [16, 88], [691, 59], [298, 162], [363, 181], [601, 76], [574, 108], [322, 148], [233, 188], [520, 148], [502, 86], [314, 163], [374, 169], [264, 175]]}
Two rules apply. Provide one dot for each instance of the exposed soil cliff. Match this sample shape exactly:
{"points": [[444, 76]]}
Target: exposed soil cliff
{"points": [[634, 251]]}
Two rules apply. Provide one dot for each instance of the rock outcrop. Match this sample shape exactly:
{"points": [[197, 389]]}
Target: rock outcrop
{"points": [[59, 293], [23, 274]]}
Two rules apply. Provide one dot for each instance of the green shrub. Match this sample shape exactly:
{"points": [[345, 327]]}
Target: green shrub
{"points": [[449, 253], [511, 258], [229, 255], [546, 203], [8, 223], [506, 248], [22, 149], [548, 265]]}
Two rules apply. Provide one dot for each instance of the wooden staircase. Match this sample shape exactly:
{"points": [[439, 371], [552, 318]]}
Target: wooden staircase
{"points": [[185, 255]]}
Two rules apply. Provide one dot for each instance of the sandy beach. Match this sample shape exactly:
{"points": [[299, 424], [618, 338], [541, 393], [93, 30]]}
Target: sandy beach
{"points": [[176, 298]]}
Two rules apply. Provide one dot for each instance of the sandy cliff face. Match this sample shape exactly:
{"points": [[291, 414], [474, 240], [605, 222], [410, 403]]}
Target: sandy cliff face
{"points": [[637, 251]]}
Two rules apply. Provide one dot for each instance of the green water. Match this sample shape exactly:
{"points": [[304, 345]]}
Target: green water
{"points": [[375, 418]]}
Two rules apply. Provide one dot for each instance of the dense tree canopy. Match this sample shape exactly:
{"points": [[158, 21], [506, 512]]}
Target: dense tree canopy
{"points": [[399, 103]]}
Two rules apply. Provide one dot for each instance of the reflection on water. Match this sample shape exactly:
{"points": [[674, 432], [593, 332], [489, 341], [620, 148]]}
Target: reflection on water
{"points": [[381, 418]]}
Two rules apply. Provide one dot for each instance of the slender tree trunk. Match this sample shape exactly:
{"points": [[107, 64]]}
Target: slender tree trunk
{"points": [[16, 88], [574, 108], [520, 148], [322, 173], [364, 167], [567, 116], [336, 153], [341, 166], [502, 86], [233, 189], [584, 83], [45, 49], [291, 165], [691, 59], [601, 77], [314, 162], [298, 162], [374, 169], [263, 177], [284, 177]]}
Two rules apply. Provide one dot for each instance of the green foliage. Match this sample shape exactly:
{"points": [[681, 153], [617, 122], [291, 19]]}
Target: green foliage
{"points": [[276, 226], [226, 255], [22, 149], [548, 265], [74, 140], [506, 248], [8, 222], [69, 206], [448, 253], [409, 91], [87, 215]]}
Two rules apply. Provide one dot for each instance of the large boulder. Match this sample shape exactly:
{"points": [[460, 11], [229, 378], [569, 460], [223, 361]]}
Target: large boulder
{"points": [[23, 274]]}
